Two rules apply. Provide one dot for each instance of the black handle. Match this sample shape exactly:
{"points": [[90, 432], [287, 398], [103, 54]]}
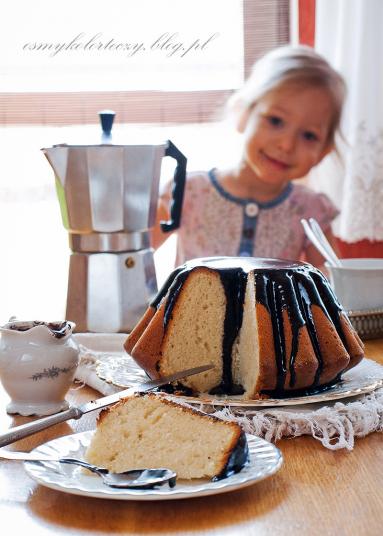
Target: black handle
{"points": [[106, 119], [175, 206]]}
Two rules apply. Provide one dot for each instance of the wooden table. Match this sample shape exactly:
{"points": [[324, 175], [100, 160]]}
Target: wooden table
{"points": [[317, 492]]}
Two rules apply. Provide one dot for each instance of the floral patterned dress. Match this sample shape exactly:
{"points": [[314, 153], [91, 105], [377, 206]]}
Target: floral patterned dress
{"points": [[214, 222]]}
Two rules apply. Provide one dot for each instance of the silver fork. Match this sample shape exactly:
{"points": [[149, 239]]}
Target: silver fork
{"points": [[135, 478]]}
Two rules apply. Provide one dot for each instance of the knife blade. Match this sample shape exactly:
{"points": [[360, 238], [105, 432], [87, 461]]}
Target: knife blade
{"points": [[76, 412]]}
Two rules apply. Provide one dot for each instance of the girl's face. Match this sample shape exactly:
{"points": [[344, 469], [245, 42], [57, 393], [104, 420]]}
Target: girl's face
{"points": [[286, 133]]}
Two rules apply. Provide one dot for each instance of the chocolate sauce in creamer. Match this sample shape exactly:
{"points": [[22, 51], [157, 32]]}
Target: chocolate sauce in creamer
{"points": [[279, 285], [58, 329]]}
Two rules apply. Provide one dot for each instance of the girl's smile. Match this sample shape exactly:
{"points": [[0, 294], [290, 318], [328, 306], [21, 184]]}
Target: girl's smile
{"points": [[274, 161]]}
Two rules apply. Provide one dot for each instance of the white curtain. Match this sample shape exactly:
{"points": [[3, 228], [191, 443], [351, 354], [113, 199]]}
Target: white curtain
{"points": [[349, 33]]}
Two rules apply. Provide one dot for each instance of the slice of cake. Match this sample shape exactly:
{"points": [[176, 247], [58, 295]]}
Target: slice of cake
{"points": [[151, 431], [270, 327]]}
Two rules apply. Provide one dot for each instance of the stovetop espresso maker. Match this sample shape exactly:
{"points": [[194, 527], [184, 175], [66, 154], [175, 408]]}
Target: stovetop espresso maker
{"points": [[108, 197]]}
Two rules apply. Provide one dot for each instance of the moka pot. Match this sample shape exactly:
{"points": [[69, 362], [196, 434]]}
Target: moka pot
{"points": [[108, 196]]}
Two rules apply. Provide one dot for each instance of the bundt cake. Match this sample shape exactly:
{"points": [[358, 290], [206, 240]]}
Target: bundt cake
{"points": [[270, 327], [150, 431]]}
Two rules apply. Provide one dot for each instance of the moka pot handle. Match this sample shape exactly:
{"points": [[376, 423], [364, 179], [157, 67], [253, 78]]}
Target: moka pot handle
{"points": [[175, 205]]}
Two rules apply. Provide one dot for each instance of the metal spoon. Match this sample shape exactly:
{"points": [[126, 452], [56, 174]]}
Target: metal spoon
{"points": [[323, 239], [135, 478], [315, 234]]}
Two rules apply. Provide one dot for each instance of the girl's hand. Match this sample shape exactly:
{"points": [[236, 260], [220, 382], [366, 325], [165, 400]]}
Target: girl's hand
{"points": [[157, 237]]}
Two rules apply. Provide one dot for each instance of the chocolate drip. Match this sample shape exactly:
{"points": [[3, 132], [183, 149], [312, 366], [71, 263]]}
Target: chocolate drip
{"points": [[330, 304], [165, 287], [234, 283], [278, 331], [237, 459], [176, 389], [174, 291], [296, 322], [306, 302]]}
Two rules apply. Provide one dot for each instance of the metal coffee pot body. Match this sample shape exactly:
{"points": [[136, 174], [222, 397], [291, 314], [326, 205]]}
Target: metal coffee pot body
{"points": [[108, 197], [107, 188]]}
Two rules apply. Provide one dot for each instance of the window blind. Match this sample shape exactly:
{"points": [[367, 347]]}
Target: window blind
{"points": [[265, 26]]}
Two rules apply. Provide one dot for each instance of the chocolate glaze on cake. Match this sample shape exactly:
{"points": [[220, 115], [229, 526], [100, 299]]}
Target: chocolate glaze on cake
{"points": [[280, 286], [238, 458]]}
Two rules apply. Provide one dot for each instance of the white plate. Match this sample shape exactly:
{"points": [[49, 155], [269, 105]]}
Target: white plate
{"points": [[123, 372], [265, 460]]}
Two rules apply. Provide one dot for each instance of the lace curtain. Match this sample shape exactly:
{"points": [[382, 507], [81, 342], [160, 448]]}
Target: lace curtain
{"points": [[349, 34]]}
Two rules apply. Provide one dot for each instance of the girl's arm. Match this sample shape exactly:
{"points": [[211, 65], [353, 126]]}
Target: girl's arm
{"points": [[313, 256]]}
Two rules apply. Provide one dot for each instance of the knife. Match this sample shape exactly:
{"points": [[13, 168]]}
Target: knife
{"points": [[76, 412]]}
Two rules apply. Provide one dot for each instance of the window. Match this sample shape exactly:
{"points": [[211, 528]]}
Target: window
{"points": [[151, 61]]}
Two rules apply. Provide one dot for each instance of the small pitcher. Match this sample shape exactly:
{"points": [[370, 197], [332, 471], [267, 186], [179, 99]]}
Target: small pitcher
{"points": [[38, 361]]}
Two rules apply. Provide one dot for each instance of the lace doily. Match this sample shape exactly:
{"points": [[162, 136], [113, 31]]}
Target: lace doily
{"points": [[335, 426]]}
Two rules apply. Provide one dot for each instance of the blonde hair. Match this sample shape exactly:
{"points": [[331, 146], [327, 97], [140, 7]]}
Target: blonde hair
{"points": [[285, 66]]}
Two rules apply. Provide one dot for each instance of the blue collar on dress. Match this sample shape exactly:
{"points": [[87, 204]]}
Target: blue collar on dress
{"points": [[245, 201]]}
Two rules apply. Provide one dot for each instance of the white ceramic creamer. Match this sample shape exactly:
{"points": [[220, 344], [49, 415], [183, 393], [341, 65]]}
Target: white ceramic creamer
{"points": [[38, 361]]}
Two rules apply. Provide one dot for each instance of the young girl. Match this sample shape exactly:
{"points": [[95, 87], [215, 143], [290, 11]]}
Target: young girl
{"points": [[288, 113]]}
